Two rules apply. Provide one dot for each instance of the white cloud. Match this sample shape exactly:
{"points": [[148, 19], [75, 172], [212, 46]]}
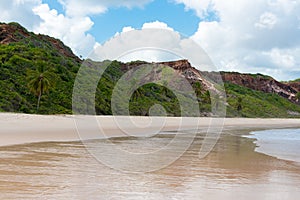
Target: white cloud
{"points": [[282, 58], [201, 7], [19, 11], [250, 36], [127, 28], [155, 42], [71, 27], [72, 31], [267, 20], [132, 44], [158, 25]]}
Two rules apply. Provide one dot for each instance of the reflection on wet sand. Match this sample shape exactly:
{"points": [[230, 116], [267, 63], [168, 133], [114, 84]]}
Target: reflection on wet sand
{"points": [[233, 170]]}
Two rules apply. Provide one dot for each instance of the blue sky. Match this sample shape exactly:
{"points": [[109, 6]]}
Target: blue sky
{"points": [[169, 13], [258, 36], [112, 21]]}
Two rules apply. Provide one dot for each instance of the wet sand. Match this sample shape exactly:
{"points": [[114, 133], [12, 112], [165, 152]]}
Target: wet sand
{"points": [[65, 170], [53, 165]]}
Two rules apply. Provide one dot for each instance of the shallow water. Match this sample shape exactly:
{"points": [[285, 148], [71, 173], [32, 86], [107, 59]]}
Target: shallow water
{"points": [[66, 170], [280, 143]]}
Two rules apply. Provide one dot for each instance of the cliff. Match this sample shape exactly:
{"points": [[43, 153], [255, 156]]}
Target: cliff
{"points": [[262, 83], [248, 95], [14, 33]]}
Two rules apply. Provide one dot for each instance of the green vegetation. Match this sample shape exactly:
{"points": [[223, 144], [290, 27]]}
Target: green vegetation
{"points": [[293, 81], [19, 62], [253, 103], [40, 81], [38, 77]]}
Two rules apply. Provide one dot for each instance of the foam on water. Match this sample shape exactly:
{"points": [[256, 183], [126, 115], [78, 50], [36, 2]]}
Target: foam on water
{"points": [[280, 143]]}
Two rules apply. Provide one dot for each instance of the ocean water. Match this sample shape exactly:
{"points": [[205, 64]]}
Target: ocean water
{"points": [[66, 170], [280, 143]]}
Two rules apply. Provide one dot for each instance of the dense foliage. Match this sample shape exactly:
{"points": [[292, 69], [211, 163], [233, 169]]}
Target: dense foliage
{"points": [[21, 61], [15, 96], [258, 104]]}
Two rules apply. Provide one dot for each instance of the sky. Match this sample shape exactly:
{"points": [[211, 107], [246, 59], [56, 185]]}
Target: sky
{"points": [[258, 36]]}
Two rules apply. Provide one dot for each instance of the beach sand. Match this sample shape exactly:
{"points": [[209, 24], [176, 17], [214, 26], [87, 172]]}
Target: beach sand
{"points": [[56, 166], [23, 128]]}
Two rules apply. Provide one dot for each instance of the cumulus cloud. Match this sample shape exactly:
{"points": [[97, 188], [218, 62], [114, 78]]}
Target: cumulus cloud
{"points": [[267, 20], [20, 11], [72, 31], [72, 27], [201, 7], [158, 25], [250, 36], [155, 42]]}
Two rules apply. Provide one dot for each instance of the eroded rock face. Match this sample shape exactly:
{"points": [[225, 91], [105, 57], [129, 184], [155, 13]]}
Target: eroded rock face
{"points": [[295, 85], [180, 65], [257, 82], [12, 33], [261, 83], [191, 74]]}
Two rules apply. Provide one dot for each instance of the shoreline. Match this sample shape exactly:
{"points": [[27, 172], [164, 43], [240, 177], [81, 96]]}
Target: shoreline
{"points": [[25, 128]]}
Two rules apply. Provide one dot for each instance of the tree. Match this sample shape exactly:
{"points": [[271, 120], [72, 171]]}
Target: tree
{"points": [[40, 81], [239, 104], [198, 89]]}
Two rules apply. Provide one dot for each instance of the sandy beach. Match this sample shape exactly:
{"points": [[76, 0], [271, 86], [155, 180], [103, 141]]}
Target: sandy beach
{"points": [[24, 128], [50, 162]]}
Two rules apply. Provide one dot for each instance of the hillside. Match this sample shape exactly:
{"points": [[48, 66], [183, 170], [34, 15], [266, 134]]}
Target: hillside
{"points": [[23, 54]]}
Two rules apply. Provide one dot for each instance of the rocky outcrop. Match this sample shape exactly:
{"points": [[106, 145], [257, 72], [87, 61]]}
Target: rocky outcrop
{"points": [[185, 68], [257, 82], [295, 85], [180, 65], [14, 32], [261, 83]]}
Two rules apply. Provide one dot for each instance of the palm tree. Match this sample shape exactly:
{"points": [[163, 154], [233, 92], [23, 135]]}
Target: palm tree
{"points": [[40, 81], [198, 90], [239, 104]]}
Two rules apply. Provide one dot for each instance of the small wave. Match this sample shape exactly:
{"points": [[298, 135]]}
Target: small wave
{"points": [[281, 143]]}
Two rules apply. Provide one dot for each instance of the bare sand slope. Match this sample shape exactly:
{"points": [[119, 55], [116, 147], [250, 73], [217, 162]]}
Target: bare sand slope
{"points": [[23, 128]]}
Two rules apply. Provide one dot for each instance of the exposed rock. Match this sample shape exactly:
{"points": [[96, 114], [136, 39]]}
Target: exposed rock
{"points": [[261, 83], [180, 65], [295, 85], [190, 73]]}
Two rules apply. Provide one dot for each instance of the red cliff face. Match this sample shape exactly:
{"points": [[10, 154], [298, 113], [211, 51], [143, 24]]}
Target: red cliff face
{"points": [[180, 65], [253, 81], [12, 33], [295, 85], [185, 68], [261, 83]]}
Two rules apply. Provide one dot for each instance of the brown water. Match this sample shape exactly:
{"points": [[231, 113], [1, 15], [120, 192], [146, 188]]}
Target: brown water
{"points": [[66, 170]]}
